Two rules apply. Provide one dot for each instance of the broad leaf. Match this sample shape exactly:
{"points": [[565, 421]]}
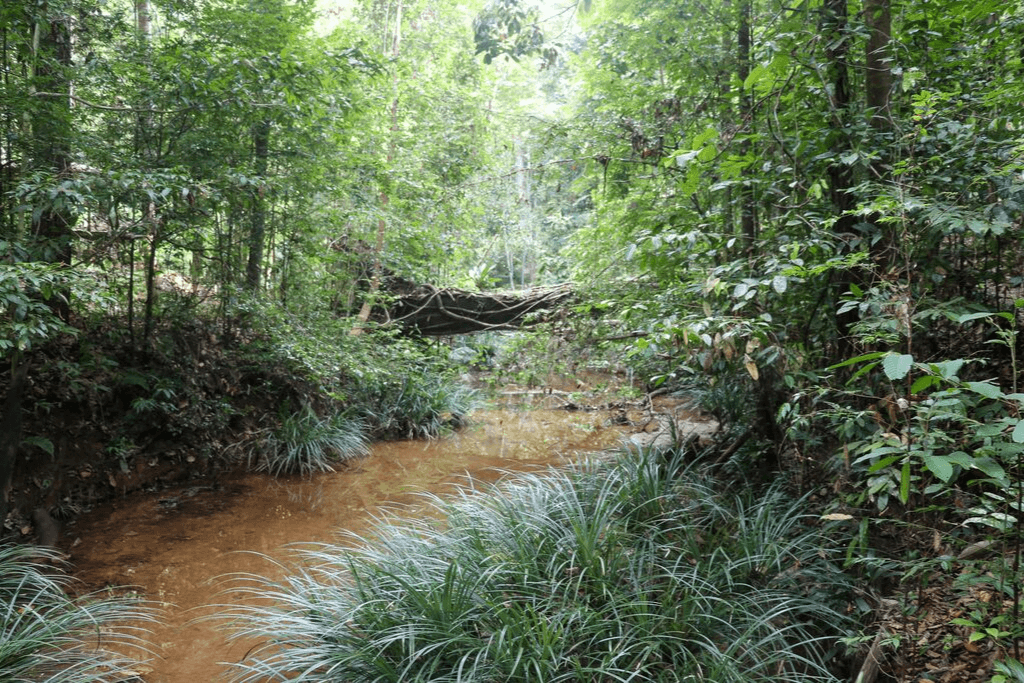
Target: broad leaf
{"points": [[897, 366], [940, 466], [986, 389]]}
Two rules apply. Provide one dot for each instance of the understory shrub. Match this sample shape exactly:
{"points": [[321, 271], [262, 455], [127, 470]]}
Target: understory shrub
{"points": [[637, 570], [47, 636], [307, 443], [420, 403], [393, 385]]}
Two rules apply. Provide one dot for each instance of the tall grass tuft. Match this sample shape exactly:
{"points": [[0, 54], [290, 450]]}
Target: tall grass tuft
{"points": [[47, 636], [307, 443], [421, 403], [638, 570]]}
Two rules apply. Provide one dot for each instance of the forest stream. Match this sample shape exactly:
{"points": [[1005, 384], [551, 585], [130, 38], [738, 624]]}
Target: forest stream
{"points": [[178, 546]]}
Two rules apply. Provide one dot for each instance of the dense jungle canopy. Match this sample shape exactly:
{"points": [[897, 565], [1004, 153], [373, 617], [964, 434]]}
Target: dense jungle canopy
{"points": [[808, 213]]}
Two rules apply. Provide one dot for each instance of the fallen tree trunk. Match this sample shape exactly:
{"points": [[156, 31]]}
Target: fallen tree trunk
{"points": [[442, 312]]}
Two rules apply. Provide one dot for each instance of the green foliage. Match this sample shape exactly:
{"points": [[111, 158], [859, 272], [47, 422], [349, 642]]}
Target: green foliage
{"points": [[422, 400], [507, 27], [306, 443], [27, 291], [390, 385], [47, 636], [953, 446], [637, 570]]}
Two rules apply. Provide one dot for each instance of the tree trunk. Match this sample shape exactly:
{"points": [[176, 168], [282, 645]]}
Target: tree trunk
{"points": [[748, 226], [836, 36], [878, 85], [142, 18], [727, 116], [258, 226], [371, 295], [51, 128], [147, 324], [131, 291], [878, 81], [10, 427]]}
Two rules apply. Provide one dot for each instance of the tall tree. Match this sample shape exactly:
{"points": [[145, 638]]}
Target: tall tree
{"points": [[51, 125], [391, 45], [877, 89]]}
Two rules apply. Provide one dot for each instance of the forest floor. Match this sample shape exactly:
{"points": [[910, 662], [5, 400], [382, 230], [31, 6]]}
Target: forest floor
{"points": [[165, 426]]}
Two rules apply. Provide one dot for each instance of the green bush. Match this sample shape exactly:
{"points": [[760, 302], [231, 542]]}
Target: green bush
{"points": [[47, 636], [419, 403], [395, 386], [637, 571], [307, 443]]}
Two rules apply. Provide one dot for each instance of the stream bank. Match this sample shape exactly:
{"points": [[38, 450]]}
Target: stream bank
{"points": [[179, 545]]}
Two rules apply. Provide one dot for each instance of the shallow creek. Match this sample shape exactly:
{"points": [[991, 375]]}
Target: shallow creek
{"points": [[178, 545]]}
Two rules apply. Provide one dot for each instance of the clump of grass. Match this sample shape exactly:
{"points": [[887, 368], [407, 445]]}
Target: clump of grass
{"points": [[636, 571], [307, 443], [47, 636], [421, 403]]}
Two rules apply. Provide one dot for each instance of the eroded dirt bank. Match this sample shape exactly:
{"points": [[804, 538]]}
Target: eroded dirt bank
{"points": [[178, 545]]}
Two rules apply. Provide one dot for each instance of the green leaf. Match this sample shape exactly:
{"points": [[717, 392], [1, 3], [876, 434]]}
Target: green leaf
{"points": [[884, 462], [756, 74], [989, 467], [897, 366], [905, 483], [857, 359], [967, 317], [924, 382], [986, 389], [939, 466], [989, 429], [863, 370], [948, 369], [39, 442], [779, 283], [1018, 432], [960, 458]]}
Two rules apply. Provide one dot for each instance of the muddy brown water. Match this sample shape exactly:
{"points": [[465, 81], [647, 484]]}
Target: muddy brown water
{"points": [[178, 545]]}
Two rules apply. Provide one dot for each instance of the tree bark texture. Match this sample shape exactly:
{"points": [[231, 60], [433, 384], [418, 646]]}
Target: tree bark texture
{"points": [[878, 86], [836, 36], [258, 224], [748, 225], [878, 79], [51, 128]]}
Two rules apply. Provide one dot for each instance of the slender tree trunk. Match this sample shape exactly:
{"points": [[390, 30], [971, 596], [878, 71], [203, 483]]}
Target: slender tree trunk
{"points": [[147, 324], [258, 226], [878, 80], [836, 37], [748, 226], [728, 114], [131, 290], [51, 127], [142, 18], [878, 86], [371, 295]]}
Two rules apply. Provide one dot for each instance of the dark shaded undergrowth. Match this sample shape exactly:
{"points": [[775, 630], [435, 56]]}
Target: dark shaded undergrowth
{"points": [[105, 414]]}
